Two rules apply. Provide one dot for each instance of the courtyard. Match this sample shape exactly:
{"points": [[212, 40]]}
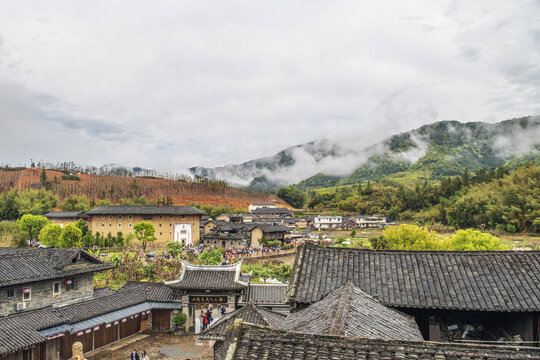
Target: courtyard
{"points": [[158, 346]]}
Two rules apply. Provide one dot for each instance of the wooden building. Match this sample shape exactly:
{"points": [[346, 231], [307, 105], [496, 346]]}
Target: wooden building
{"points": [[243, 341], [61, 307], [452, 295]]}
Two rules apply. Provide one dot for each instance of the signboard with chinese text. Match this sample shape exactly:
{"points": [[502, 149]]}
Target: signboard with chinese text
{"points": [[202, 299]]}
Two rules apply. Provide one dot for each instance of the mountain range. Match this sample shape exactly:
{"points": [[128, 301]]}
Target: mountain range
{"points": [[433, 151]]}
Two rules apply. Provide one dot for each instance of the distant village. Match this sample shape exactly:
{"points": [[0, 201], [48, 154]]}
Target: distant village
{"points": [[262, 223]]}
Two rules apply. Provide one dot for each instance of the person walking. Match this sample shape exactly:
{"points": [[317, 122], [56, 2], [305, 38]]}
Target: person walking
{"points": [[144, 356], [135, 355], [209, 315], [223, 310]]}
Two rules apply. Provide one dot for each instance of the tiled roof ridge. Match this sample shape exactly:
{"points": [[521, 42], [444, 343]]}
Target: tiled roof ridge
{"points": [[432, 344], [342, 309], [440, 252]]}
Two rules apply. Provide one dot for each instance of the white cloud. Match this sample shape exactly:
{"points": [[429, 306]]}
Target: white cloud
{"points": [[169, 85]]}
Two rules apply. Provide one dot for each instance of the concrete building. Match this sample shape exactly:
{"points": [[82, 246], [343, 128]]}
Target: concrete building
{"points": [[327, 222]]}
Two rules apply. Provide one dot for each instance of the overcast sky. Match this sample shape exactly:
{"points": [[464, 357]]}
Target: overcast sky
{"points": [[172, 84]]}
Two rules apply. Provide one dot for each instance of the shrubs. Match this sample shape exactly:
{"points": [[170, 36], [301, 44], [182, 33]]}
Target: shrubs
{"points": [[179, 319]]}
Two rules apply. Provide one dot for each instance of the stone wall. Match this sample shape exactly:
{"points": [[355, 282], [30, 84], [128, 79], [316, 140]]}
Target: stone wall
{"points": [[42, 294]]}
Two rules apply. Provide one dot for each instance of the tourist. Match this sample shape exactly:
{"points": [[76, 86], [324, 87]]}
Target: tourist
{"points": [[223, 310], [144, 356], [134, 355], [209, 315], [204, 320]]}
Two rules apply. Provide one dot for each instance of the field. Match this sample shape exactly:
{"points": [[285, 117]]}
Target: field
{"points": [[97, 187]]}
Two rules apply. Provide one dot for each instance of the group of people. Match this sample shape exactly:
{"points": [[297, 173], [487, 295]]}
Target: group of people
{"points": [[135, 355], [228, 255], [206, 317]]}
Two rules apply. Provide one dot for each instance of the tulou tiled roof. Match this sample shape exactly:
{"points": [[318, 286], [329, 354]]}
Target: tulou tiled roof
{"points": [[211, 277], [279, 210], [267, 294], [65, 214], [249, 341], [504, 281], [350, 311], [145, 210], [249, 313], [20, 331], [22, 266]]}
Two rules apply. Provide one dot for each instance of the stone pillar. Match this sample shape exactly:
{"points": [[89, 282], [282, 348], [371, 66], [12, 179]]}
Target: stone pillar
{"points": [[77, 351]]}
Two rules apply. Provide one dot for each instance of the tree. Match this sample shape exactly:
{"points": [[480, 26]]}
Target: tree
{"points": [[70, 236], [36, 202], [144, 232], [10, 233], [473, 240], [50, 235], [75, 203], [211, 257], [119, 239], [293, 196], [8, 206], [412, 237], [31, 225], [175, 248]]}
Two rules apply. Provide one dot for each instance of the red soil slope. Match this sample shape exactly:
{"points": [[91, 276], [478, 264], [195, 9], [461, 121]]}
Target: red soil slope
{"points": [[97, 187]]}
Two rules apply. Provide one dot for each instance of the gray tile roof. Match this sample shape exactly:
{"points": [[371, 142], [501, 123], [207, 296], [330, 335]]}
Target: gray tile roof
{"points": [[249, 313], [484, 281], [64, 214], [211, 277], [279, 210], [267, 294], [145, 210], [249, 341], [21, 330], [21, 266], [352, 312]]}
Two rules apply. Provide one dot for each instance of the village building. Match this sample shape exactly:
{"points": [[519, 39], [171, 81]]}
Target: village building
{"points": [[493, 295], [270, 296], [271, 212], [65, 217], [243, 341], [370, 221], [48, 303], [235, 218], [199, 286], [249, 313], [206, 226], [249, 235], [324, 222], [264, 205], [172, 223], [349, 311]]}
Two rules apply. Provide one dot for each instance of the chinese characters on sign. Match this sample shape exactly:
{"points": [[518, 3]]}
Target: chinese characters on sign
{"points": [[207, 299]]}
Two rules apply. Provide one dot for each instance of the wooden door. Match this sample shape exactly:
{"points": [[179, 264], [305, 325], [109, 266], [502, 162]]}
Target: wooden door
{"points": [[161, 319], [144, 322]]}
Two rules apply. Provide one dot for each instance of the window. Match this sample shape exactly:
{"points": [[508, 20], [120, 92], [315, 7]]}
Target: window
{"points": [[159, 225], [160, 233], [130, 217], [119, 225], [129, 225], [70, 284], [26, 294], [102, 225], [56, 288], [110, 225], [10, 293], [119, 217], [110, 217]]}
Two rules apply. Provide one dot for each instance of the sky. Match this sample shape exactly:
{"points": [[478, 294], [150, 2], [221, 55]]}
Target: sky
{"points": [[173, 84]]}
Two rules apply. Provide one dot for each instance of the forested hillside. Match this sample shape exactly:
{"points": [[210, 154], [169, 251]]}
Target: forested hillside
{"points": [[98, 189], [499, 198]]}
